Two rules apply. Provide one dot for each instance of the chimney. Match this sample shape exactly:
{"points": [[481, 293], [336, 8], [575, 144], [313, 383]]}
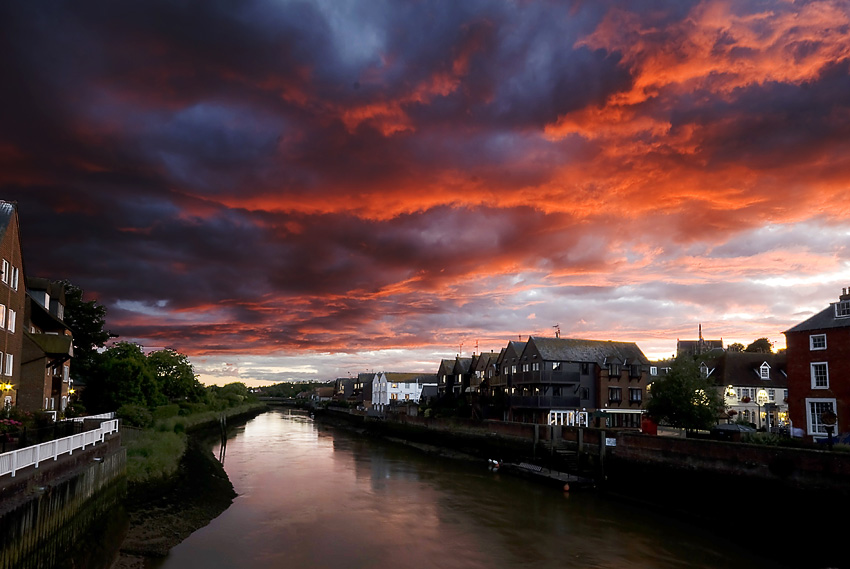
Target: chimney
{"points": [[844, 295]]}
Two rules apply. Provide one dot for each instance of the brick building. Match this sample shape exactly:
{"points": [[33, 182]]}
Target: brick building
{"points": [[818, 356], [12, 302]]}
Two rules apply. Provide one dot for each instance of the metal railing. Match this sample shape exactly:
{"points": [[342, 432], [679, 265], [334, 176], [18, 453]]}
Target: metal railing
{"points": [[10, 462]]}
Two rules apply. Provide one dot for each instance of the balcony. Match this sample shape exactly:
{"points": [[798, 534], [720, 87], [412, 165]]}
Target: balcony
{"points": [[545, 402]]}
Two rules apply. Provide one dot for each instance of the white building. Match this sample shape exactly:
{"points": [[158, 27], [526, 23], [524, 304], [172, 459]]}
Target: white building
{"points": [[389, 388]]}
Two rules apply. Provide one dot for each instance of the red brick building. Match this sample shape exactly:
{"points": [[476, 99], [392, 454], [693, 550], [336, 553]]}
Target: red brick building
{"points": [[818, 360], [12, 303]]}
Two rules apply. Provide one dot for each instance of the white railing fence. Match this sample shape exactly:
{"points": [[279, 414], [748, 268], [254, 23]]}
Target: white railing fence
{"points": [[10, 462]]}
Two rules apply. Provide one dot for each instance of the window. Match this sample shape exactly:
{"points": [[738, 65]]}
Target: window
{"points": [[535, 366], [817, 342], [764, 371], [5, 274], [513, 369], [842, 309], [703, 370], [556, 366], [820, 375], [653, 370], [407, 396], [771, 395], [394, 396], [584, 368], [524, 367], [395, 386], [635, 395], [816, 407], [14, 278], [615, 394], [10, 359], [614, 370], [2, 316]]}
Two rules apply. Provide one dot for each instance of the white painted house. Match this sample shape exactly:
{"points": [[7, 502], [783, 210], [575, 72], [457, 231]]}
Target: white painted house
{"points": [[389, 388]]}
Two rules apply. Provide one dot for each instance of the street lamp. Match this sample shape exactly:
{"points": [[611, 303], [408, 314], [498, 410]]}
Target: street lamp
{"points": [[761, 399]]}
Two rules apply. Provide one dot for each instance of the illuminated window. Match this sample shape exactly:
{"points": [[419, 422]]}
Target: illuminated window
{"points": [[524, 367], [4, 276], [556, 366], [635, 395], [9, 363], [535, 366], [817, 342], [2, 316], [14, 278]]}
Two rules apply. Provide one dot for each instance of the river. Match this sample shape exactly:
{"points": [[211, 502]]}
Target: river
{"points": [[312, 496]]}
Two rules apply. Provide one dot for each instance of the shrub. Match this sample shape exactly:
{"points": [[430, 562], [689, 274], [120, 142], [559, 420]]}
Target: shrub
{"points": [[166, 411], [135, 416]]}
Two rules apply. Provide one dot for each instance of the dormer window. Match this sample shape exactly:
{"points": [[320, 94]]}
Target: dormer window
{"points": [[764, 371], [842, 309], [703, 370]]}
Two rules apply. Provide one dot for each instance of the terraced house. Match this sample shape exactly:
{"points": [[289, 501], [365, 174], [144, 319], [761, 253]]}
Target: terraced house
{"points": [[556, 377]]}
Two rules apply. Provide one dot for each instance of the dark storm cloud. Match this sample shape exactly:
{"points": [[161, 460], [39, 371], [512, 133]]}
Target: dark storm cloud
{"points": [[335, 174]]}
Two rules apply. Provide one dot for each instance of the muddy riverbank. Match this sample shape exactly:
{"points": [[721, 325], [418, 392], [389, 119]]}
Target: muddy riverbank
{"points": [[161, 516]]}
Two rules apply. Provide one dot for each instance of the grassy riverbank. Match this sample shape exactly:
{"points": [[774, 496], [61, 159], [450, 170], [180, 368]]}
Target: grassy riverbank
{"points": [[175, 484], [154, 453]]}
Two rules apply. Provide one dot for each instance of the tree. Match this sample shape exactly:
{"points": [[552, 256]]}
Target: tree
{"points": [[760, 346], [683, 398], [122, 375], [86, 319], [175, 375], [736, 347]]}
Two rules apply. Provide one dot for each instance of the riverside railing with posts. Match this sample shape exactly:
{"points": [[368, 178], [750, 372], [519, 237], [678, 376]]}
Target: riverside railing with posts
{"points": [[10, 462]]}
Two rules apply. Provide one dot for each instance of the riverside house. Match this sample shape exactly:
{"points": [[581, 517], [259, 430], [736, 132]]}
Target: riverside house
{"points": [[818, 358], [754, 386], [47, 349], [390, 388], [12, 303], [554, 377]]}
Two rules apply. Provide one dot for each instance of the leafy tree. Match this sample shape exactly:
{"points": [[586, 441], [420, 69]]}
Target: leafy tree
{"points": [[121, 375], [86, 319], [683, 398], [176, 377], [760, 346], [736, 347]]}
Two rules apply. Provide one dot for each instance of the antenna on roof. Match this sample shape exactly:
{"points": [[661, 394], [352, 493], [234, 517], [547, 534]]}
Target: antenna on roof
{"points": [[557, 328], [476, 348], [460, 352]]}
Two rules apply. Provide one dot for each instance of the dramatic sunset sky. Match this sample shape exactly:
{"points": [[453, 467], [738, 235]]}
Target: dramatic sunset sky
{"points": [[303, 190]]}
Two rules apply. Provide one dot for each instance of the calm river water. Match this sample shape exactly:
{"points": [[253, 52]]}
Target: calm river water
{"points": [[312, 496]]}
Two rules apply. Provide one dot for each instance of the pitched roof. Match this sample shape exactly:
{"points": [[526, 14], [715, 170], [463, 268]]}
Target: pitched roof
{"points": [[576, 350], [7, 211], [823, 320], [742, 368], [402, 376]]}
